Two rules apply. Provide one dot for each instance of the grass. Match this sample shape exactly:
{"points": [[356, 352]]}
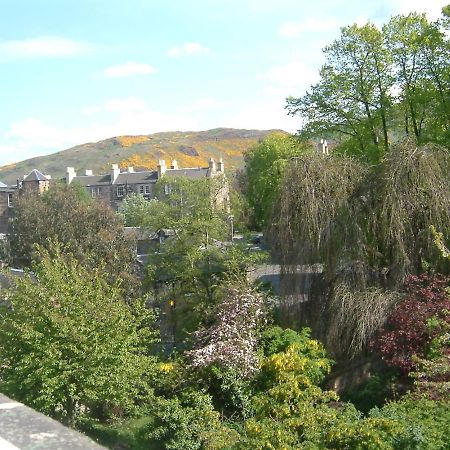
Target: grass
{"points": [[124, 434]]}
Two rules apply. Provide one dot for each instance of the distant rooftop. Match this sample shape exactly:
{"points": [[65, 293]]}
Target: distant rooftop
{"points": [[35, 175]]}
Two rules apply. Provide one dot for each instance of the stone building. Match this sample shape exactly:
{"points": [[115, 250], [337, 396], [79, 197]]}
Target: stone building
{"points": [[112, 187], [116, 185], [34, 181]]}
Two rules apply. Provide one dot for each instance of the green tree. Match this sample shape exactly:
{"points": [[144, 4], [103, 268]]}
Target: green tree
{"points": [[264, 167], [379, 85], [419, 49], [137, 210], [69, 345], [90, 230], [352, 97]]}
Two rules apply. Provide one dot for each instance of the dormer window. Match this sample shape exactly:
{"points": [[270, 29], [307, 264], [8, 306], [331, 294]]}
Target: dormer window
{"points": [[120, 191]]}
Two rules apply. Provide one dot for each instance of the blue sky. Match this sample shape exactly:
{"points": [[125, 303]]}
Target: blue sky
{"points": [[76, 71]]}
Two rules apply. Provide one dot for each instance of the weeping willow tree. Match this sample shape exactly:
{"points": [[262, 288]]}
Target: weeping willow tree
{"points": [[368, 227]]}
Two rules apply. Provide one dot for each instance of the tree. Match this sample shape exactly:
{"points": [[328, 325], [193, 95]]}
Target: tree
{"points": [[352, 98], [137, 210], [264, 166], [88, 229], [69, 343], [419, 50], [378, 86], [369, 228]]}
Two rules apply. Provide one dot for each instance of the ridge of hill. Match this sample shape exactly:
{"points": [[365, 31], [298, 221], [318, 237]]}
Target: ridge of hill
{"points": [[190, 149]]}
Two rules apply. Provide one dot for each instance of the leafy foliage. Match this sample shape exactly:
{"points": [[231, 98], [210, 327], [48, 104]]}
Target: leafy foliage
{"points": [[381, 84], [415, 321], [90, 230], [426, 422], [369, 229], [264, 165], [69, 344], [189, 422]]}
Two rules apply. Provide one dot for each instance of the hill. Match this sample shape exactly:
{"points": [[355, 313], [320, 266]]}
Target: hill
{"points": [[190, 149]]}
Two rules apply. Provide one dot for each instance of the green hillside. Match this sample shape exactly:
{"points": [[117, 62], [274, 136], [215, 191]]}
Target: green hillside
{"points": [[190, 149]]}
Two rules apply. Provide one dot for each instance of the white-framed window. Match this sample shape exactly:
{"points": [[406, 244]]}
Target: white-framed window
{"points": [[95, 191], [167, 189], [141, 189], [10, 199], [120, 191], [147, 189]]}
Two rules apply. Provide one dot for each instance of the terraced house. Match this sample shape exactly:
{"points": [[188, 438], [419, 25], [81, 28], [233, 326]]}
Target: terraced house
{"points": [[115, 186]]}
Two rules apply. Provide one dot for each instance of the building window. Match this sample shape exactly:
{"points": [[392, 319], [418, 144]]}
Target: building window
{"points": [[10, 200], [167, 189], [147, 189], [96, 191], [141, 189], [120, 191]]}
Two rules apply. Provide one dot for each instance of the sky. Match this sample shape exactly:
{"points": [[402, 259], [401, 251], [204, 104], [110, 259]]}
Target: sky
{"points": [[77, 71]]}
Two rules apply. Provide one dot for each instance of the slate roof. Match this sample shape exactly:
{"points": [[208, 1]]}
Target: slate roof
{"points": [[196, 172], [92, 180], [148, 176], [35, 175]]}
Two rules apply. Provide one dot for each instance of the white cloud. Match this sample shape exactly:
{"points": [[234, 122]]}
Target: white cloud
{"points": [[293, 29], [189, 48], [293, 78], [133, 116], [262, 116], [361, 21], [122, 105], [203, 104], [128, 69], [42, 47], [32, 137], [90, 110], [431, 7]]}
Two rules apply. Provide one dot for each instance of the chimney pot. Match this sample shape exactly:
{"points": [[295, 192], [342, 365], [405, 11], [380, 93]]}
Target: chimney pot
{"points": [[115, 172], [161, 168], [70, 174]]}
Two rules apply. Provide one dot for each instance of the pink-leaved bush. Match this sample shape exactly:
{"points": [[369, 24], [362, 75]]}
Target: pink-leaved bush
{"points": [[415, 322]]}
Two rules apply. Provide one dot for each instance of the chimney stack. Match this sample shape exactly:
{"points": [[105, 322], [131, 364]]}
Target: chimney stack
{"points": [[161, 168], [131, 169], [70, 175], [115, 172], [89, 172], [212, 165], [220, 166], [174, 164]]}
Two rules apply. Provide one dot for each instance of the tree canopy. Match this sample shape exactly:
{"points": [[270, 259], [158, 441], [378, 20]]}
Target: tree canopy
{"points": [[88, 229], [69, 343], [381, 85]]}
